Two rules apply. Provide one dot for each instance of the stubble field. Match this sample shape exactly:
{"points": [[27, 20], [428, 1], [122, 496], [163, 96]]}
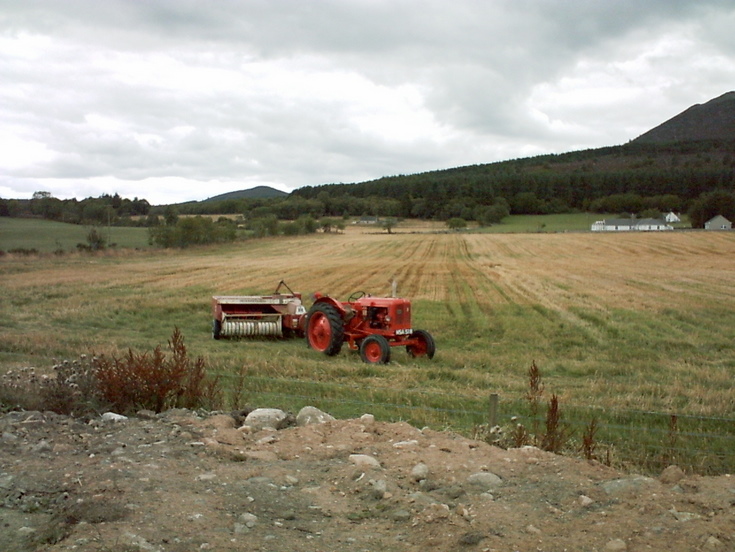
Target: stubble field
{"points": [[640, 321]]}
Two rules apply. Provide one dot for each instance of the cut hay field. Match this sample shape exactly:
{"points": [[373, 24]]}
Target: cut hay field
{"points": [[643, 321]]}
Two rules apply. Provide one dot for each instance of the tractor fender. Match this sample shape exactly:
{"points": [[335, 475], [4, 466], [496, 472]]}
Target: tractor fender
{"points": [[331, 301]]}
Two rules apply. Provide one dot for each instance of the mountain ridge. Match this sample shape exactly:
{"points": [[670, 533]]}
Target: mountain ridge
{"points": [[713, 120], [258, 192]]}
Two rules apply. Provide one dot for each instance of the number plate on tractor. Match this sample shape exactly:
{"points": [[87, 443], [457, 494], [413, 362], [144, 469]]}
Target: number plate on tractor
{"points": [[407, 331]]}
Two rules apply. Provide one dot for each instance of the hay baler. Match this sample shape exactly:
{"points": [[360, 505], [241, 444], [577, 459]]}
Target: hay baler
{"points": [[279, 315], [370, 325]]}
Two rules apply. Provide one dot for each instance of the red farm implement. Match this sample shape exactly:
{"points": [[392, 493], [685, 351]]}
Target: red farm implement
{"points": [[278, 315]]}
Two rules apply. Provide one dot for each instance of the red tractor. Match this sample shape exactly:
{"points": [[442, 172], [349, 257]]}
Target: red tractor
{"points": [[371, 325]]}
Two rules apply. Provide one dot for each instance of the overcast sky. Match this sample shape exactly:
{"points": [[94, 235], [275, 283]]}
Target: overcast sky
{"points": [[177, 100]]}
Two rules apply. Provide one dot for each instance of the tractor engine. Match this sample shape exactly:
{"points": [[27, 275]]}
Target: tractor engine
{"points": [[377, 315]]}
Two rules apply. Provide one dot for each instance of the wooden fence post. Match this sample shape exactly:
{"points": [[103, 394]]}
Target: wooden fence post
{"points": [[492, 419]]}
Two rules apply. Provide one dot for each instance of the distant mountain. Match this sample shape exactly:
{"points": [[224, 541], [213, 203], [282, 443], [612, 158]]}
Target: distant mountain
{"points": [[259, 192], [714, 120]]}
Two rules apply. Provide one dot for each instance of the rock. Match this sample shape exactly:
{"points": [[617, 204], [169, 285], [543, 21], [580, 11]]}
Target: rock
{"points": [[248, 519], [364, 461], [585, 501], [406, 444], [616, 545], [367, 418], [401, 515], [146, 414], [267, 455], [7, 481], [112, 417], [671, 475], [712, 543], [420, 472], [312, 415], [628, 485], [486, 481], [261, 418], [421, 499], [267, 440], [378, 489], [684, 516], [139, 542], [453, 492], [41, 446]]}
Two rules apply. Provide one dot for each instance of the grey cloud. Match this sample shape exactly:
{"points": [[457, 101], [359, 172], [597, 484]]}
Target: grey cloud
{"points": [[124, 88]]}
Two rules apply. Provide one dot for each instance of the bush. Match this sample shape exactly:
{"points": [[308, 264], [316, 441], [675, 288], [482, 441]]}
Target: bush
{"points": [[154, 381]]}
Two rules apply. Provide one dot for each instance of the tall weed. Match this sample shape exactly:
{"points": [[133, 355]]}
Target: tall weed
{"points": [[153, 380]]}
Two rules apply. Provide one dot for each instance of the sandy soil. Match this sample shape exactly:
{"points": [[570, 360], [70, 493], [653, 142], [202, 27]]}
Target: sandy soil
{"points": [[179, 481]]}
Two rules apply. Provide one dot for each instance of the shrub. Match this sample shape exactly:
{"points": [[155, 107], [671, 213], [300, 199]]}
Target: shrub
{"points": [[154, 381]]}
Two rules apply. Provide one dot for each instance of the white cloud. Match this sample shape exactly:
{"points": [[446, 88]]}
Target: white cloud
{"points": [[179, 100]]}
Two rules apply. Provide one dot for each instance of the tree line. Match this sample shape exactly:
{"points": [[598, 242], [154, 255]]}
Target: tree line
{"points": [[697, 178]]}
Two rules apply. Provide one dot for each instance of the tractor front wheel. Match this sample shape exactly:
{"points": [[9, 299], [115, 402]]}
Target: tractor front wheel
{"points": [[324, 329], [424, 345], [375, 349]]}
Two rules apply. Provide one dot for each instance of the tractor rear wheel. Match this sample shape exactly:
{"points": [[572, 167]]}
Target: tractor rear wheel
{"points": [[324, 329], [424, 345], [375, 349]]}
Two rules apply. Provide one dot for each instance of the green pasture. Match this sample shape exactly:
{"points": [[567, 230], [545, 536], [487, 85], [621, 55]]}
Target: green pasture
{"points": [[48, 236]]}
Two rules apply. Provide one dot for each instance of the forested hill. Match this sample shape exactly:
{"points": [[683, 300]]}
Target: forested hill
{"points": [[668, 168], [259, 192], [673, 174]]}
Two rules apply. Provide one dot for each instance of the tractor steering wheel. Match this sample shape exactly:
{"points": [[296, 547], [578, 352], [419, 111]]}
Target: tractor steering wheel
{"points": [[355, 296]]}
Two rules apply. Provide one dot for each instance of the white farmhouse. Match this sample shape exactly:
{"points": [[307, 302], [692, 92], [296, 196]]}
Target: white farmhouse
{"points": [[672, 217], [631, 225]]}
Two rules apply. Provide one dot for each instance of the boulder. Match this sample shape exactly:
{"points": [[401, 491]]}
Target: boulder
{"points": [[312, 415], [260, 418]]}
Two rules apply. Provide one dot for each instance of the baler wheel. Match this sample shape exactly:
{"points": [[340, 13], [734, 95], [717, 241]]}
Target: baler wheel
{"points": [[216, 329], [324, 329], [424, 346], [375, 349]]}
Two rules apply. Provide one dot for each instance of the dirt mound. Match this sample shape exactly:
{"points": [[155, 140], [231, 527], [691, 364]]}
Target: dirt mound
{"points": [[179, 481]]}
